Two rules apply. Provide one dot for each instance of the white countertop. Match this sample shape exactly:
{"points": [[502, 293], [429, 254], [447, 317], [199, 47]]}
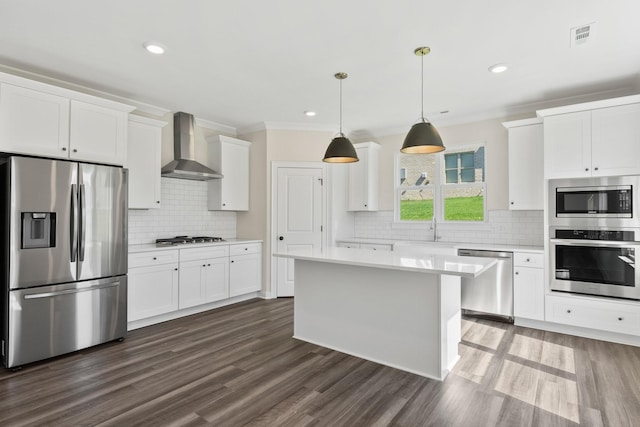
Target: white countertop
{"points": [[423, 262], [453, 245], [153, 247]]}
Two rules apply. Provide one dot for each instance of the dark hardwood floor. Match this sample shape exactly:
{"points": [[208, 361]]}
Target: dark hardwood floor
{"points": [[239, 366]]}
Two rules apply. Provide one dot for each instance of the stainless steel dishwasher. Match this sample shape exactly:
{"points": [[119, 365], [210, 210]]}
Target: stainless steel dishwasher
{"points": [[491, 293]]}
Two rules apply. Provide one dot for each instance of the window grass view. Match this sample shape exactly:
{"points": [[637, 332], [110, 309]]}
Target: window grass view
{"points": [[455, 209]]}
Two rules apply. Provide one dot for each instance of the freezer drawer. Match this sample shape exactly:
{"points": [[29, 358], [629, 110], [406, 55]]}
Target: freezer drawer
{"points": [[49, 321]]}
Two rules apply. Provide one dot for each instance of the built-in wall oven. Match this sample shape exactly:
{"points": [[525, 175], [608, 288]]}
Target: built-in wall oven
{"points": [[595, 236], [595, 262]]}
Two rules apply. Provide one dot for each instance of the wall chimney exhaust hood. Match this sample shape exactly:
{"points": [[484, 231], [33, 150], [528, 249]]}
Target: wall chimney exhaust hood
{"points": [[185, 166]]}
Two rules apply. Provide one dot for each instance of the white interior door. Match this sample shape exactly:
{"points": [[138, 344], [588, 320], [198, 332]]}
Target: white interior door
{"points": [[298, 218]]}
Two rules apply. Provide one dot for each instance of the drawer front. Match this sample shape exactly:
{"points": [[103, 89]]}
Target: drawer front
{"points": [[528, 259], [605, 316], [192, 254], [144, 259], [248, 248]]}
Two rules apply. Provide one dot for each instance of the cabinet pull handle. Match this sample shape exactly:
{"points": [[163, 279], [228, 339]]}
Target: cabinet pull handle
{"points": [[232, 261], [511, 202], [175, 269], [595, 168], [157, 201], [208, 265], [224, 204], [586, 169], [204, 265], [621, 318], [528, 260], [569, 311], [75, 150], [517, 272], [154, 258], [64, 148]]}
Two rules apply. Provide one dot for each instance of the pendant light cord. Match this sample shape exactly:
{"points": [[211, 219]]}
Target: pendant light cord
{"points": [[341, 134], [422, 88]]}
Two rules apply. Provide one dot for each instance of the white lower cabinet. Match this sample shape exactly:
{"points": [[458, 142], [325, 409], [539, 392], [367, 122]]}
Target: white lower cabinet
{"points": [[163, 282], [606, 315], [152, 284], [204, 275], [245, 269], [528, 285]]}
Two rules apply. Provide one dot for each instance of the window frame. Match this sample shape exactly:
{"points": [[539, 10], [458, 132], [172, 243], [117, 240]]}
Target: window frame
{"points": [[439, 187]]}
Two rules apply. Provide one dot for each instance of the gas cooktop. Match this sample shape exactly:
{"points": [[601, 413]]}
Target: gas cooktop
{"points": [[185, 240]]}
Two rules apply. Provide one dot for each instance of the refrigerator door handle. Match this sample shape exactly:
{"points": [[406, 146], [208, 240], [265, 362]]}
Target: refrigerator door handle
{"points": [[83, 222], [73, 234], [71, 291]]}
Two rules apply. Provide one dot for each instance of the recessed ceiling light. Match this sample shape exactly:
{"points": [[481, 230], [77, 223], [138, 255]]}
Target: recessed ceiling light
{"points": [[155, 48], [498, 68], [309, 113]]}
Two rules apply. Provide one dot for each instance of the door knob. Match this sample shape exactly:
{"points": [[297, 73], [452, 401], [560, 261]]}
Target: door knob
{"points": [[281, 238]]}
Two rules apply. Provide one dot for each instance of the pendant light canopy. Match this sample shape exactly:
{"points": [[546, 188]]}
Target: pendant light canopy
{"points": [[340, 149], [423, 137]]}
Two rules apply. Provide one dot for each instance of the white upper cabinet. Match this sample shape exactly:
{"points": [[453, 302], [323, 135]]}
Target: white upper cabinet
{"points": [[97, 134], [33, 122], [230, 157], [363, 178], [526, 164], [601, 139], [144, 147], [44, 120]]}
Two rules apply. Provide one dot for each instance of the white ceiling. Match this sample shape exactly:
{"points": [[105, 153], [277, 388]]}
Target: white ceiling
{"points": [[244, 62]]}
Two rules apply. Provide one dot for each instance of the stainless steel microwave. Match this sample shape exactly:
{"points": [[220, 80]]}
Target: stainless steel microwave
{"points": [[608, 201]]}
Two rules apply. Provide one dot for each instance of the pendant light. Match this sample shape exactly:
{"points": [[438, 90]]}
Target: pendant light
{"points": [[340, 149], [423, 137]]}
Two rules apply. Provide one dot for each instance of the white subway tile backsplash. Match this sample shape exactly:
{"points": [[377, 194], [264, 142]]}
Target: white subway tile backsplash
{"points": [[503, 227], [183, 212]]}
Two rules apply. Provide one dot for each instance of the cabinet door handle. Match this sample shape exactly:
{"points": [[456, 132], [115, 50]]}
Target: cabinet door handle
{"points": [[586, 169], [224, 204], [175, 269], [75, 150], [511, 202], [154, 258], [64, 148], [232, 261], [569, 311], [621, 318], [208, 265], [204, 265], [281, 238], [595, 168], [517, 272], [157, 201]]}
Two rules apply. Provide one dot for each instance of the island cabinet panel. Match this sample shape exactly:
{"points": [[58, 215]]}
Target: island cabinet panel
{"points": [[48, 121], [245, 274], [407, 320]]}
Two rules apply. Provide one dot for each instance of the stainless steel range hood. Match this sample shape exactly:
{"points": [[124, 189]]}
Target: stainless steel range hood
{"points": [[185, 166]]}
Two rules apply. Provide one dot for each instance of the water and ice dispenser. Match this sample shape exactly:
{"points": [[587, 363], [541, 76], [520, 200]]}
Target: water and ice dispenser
{"points": [[38, 230]]}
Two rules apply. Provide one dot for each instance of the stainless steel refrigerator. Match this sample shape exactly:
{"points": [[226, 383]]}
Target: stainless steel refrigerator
{"points": [[64, 257]]}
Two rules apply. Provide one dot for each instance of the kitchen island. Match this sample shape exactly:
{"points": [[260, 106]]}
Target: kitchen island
{"points": [[400, 310]]}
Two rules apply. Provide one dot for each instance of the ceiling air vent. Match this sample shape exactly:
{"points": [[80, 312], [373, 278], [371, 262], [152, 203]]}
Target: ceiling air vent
{"points": [[582, 34]]}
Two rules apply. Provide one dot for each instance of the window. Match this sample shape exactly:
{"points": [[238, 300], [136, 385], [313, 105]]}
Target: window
{"points": [[449, 186]]}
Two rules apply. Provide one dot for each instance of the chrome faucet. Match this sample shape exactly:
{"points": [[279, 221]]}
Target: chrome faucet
{"points": [[434, 227]]}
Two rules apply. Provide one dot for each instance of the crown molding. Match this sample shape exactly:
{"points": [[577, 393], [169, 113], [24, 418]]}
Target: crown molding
{"points": [[217, 127], [292, 126], [140, 106]]}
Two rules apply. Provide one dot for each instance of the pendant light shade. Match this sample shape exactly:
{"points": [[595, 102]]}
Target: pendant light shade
{"points": [[340, 149], [423, 137]]}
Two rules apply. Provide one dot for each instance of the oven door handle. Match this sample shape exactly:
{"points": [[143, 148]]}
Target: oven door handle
{"points": [[594, 243]]}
